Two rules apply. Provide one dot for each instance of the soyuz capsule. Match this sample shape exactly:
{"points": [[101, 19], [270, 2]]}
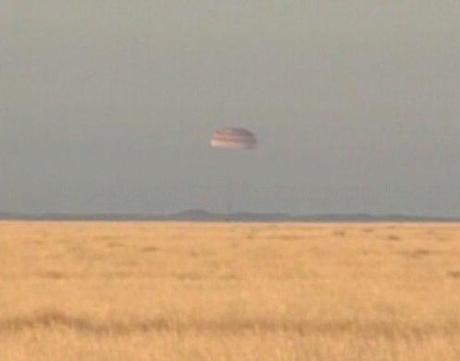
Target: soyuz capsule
{"points": [[233, 138]]}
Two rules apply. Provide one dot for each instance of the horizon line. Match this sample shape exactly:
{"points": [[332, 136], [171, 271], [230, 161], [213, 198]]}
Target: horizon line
{"points": [[197, 215]]}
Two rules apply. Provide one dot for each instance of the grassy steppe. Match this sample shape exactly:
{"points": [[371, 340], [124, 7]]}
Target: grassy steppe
{"points": [[178, 291]]}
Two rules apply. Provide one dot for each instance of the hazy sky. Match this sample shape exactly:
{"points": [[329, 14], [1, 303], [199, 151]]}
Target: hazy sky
{"points": [[109, 105]]}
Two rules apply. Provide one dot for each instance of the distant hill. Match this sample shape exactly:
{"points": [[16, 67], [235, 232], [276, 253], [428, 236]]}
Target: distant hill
{"points": [[205, 216]]}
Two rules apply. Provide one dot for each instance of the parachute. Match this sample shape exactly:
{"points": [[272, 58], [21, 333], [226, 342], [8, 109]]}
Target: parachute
{"points": [[233, 138]]}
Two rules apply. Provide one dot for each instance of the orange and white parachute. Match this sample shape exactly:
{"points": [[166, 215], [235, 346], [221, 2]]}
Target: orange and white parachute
{"points": [[233, 138]]}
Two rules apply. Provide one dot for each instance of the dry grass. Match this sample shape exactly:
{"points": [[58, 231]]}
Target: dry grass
{"points": [[100, 291]]}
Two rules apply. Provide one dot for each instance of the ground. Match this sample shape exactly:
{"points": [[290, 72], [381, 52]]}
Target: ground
{"points": [[179, 291]]}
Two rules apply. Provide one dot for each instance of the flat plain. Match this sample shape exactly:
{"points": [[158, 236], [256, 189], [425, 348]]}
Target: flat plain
{"points": [[183, 291]]}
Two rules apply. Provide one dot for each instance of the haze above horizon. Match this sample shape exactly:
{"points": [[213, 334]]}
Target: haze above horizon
{"points": [[109, 106]]}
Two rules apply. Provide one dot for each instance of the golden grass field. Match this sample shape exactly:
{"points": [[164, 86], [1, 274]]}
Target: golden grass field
{"points": [[178, 291]]}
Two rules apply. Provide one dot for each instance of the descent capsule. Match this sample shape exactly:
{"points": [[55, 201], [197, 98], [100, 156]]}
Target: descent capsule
{"points": [[233, 138]]}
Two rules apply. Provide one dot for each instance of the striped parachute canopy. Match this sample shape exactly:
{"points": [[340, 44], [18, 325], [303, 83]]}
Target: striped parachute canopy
{"points": [[233, 138]]}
